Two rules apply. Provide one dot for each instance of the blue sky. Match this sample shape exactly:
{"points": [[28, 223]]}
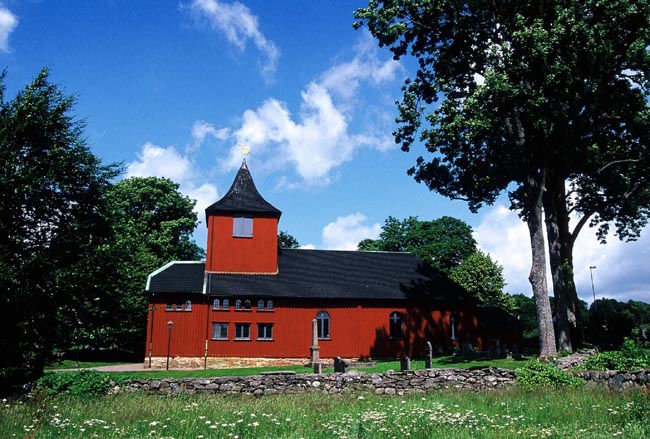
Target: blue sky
{"points": [[174, 89]]}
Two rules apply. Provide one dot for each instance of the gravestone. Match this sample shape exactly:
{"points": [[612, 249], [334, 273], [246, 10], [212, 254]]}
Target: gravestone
{"points": [[405, 364], [340, 365], [428, 355]]}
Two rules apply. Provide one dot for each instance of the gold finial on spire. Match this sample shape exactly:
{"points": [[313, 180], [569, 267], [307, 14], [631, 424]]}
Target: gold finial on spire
{"points": [[245, 149]]}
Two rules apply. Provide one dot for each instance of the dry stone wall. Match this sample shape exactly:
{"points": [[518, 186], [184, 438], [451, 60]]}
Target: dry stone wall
{"points": [[391, 383], [394, 383], [616, 379]]}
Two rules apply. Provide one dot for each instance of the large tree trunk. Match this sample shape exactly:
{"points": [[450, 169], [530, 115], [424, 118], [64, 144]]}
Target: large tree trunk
{"points": [[560, 249], [533, 216]]}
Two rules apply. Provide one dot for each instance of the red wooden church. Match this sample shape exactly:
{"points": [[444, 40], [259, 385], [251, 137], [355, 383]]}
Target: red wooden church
{"points": [[250, 300]]}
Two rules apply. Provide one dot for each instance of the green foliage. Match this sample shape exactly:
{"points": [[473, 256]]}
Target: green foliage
{"points": [[632, 356], [611, 321], [539, 374], [51, 195], [444, 242], [639, 409], [524, 308], [548, 101], [285, 240], [151, 224], [483, 278], [85, 383]]}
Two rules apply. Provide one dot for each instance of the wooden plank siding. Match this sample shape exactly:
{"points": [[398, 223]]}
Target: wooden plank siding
{"points": [[357, 330], [228, 254]]}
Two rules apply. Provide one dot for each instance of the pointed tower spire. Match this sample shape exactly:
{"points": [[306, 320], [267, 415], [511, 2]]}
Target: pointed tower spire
{"points": [[243, 197], [242, 230]]}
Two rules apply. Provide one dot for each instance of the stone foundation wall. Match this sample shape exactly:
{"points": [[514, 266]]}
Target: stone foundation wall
{"points": [[390, 383], [220, 362]]}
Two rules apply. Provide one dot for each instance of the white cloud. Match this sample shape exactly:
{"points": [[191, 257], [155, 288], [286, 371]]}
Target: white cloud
{"points": [[347, 231], [202, 129], [621, 271], [319, 138], [344, 79], [158, 161], [504, 236], [238, 24], [8, 23], [313, 145]]}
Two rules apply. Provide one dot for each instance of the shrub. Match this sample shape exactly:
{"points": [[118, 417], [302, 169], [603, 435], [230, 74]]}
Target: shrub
{"points": [[83, 383], [631, 356], [536, 374]]}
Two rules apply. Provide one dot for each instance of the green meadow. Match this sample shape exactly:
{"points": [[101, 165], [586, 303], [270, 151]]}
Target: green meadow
{"points": [[513, 413]]}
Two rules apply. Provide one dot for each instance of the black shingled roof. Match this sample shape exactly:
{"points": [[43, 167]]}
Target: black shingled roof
{"points": [[243, 197], [319, 274]]}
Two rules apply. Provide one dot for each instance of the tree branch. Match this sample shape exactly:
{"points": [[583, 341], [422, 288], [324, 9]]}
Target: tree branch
{"points": [[581, 223], [616, 162]]}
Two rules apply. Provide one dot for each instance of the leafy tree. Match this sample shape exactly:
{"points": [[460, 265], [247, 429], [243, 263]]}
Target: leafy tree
{"points": [[531, 98], [524, 308], [151, 224], [640, 312], [285, 240], [51, 188], [444, 242], [611, 321], [483, 278]]}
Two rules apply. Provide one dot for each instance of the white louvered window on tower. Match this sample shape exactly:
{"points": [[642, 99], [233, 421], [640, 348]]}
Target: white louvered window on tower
{"points": [[242, 227]]}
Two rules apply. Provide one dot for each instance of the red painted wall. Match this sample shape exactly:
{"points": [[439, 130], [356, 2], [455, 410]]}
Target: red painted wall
{"points": [[356, 329], [227, 254]]}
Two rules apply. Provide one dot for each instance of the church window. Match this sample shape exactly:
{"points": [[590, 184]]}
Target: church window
{"points": [[242, 227], [220, 331], [265, 331], [395, 325], [323, 324], [242, 331]]}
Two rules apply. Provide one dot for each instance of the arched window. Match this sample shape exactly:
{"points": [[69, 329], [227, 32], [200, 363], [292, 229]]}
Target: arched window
{"points": [[237, 304], [247, 304], [188, 305], [323, 324], [395, 325], [226, 304], [269, 305], [260, 305], [215, 304]]}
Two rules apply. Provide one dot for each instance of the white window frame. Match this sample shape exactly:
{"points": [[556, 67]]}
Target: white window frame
{"points": [[242, 331], [267, 331], [324, 329], [218, 336]]}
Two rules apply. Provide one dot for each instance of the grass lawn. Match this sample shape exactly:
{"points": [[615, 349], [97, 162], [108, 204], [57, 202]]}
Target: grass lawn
{"points": [[379, 367], [512, 413], [72, 364]]}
